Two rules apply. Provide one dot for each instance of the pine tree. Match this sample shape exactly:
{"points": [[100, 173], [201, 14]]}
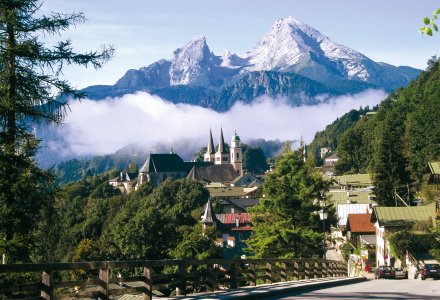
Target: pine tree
{"points": [[31, 91], [286, 223]]}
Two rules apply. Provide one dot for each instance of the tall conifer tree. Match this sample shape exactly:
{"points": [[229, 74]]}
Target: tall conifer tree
{"points": [[30, 91]]}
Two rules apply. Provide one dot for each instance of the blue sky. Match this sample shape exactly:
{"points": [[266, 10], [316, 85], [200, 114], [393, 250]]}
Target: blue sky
{"points": [[145, 31]]}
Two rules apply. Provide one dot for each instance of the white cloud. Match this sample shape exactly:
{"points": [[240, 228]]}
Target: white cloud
{"points": [[102, 127]]}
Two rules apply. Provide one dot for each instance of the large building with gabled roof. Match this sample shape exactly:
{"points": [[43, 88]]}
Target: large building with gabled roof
{"points": [[223, 165], [158, 167]]}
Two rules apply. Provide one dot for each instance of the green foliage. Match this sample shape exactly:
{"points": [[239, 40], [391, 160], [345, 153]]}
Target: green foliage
{"points": [[332, 135], [394, 144], [430, 23], [285, 223], [254, 159], [346, 250], [149, 226], [30, 89], [413, 242], [199, 156], [196, 243]]}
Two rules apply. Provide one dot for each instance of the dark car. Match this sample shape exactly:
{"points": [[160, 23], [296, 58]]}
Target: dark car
{"points": [[384, 272], [430, 271]]}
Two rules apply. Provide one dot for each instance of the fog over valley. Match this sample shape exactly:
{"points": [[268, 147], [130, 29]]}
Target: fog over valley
{"points": [[103, 127]]}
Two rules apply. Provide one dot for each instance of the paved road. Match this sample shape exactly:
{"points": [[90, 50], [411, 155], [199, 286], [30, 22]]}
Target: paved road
{"points": [[375, 289]]}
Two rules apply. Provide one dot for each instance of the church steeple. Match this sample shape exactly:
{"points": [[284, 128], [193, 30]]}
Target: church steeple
{"points": [[222, 154], [210, 152], [236, 153], [221, 145], [210, 149]]}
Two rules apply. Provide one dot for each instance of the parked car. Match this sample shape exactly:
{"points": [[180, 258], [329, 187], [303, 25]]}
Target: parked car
{"points": [[400, 273], [430, 271], [384, 272]]}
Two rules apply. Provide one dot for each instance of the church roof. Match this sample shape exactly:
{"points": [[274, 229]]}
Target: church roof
{"points": [[235, 137], [221, 146], [163, 163], [208, 216], [213, 173], [210, 149]]}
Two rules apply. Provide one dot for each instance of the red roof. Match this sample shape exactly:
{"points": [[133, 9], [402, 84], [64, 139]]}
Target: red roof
{"points": [[230, 218], [360, 223]]}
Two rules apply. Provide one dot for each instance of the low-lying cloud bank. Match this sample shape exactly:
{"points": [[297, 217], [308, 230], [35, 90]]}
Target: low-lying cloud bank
{"points": [[93, 127]]}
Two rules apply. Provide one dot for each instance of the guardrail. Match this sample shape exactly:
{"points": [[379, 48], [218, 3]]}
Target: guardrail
{"points": [[111, 278]]}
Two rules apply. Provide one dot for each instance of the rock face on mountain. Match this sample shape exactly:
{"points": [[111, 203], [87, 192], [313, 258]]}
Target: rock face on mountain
{"points": [[292, 60]]}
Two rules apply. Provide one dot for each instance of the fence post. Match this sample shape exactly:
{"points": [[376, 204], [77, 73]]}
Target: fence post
{"points": [[47, 292], [210, 278], [283, 272], [301, 270], [324, 269], [296, 270], [307, 270], [269, 278], [181, 281], [252, 275], [104, 284], [233, 275], [332, 269], [148, 293], [318, 270]]}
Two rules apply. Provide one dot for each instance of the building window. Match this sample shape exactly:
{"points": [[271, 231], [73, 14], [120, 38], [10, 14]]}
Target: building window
{"points": [[225, 159], [238, 155], [218, 158]]}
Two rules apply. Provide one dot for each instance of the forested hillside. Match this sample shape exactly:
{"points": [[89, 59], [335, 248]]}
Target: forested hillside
{"points": [[396, 142], [93, 221]]}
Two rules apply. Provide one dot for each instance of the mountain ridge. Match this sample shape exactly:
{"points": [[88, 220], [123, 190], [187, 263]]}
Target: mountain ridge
{"points": [[290, 47]]}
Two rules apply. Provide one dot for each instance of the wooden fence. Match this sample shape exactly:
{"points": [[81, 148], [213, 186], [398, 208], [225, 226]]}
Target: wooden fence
{"points": [[101, 280]]}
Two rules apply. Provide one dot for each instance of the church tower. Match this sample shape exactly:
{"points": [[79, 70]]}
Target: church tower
{"points": [[236, 154], [210, 153], [222, 154]]}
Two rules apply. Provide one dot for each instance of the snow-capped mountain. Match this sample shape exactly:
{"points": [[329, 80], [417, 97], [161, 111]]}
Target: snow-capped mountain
{"points": [[290, 41], [196, 75]]}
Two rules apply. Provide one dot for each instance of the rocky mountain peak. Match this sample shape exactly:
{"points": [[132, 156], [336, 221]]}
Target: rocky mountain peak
{"points": [[190, 63]]}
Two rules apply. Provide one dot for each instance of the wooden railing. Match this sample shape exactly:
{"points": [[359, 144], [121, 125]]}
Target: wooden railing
{"points": [[111, 278]]}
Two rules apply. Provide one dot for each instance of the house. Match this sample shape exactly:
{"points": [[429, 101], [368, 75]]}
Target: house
{"points": [[388, 220], [247, 180], [360, 229], [361, 232], [325, 151], [234, 229], [229, 192], [237, 205], [434, 172], [331, 160], [125, 182], [361, 181], [342, 212]]}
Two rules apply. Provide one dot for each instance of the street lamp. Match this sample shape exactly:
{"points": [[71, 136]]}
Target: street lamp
{"points": [[323, 214]]}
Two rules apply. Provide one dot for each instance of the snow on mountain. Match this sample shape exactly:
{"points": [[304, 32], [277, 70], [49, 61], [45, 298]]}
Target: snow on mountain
{"points": [[195, 72], [230, 60], [289, 41], [191, 63]]}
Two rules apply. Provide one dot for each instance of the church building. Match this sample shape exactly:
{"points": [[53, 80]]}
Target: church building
{"points": [[223, 155]]}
